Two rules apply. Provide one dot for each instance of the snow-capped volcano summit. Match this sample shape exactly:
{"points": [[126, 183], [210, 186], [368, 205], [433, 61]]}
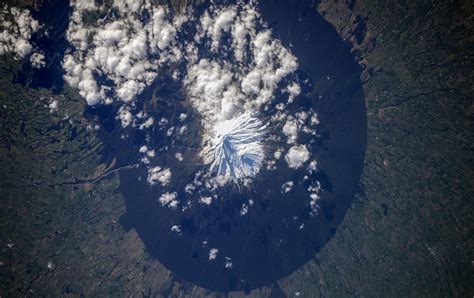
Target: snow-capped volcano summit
{"points": [[236, 150]]}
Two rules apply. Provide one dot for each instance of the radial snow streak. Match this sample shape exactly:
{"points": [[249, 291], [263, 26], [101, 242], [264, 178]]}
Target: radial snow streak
{"points": [[236, 151]]}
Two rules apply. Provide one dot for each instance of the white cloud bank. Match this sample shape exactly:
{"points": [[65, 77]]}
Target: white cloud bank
{"points": [[241, 79], [231, 66], [124, 49]]}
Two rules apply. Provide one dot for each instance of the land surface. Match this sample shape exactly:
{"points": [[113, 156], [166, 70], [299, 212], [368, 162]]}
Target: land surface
{"points": [[408, 232]]}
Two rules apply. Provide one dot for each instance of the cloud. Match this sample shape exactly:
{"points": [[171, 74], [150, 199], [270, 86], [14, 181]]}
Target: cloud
{"points": [[148, 123], [178, 156], [221, 21], [297, 156], [207, 81], [222, 89], [189, 188], [53, 106], [37, 60], [126, 49], [213, 253], [231, 66], [176, 229], [290, 129], [287, 186], [294, 89], [314, 189], [313, 166], [18, 26], [125, 117], [157, 174], [228, 263], [169, 199], [244, 209], [205, 200], [277, 154]]}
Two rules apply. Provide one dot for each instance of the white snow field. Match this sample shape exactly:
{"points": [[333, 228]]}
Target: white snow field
{"points": [[236, 150]]}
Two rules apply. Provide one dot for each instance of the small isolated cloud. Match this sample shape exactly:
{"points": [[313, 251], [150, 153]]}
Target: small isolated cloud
{"points": [[314, 189], [294, 89], [148, 123], [287, 186], [37, 60], [213, 253], [189, 188], [313, 166], [290, 129], [157, 174], [53, 106], [244, 209], [228, 263], [182, 116], [277, 154], [297, 156], [176, 229], [125, 117], [205, 200], [169, 199], [178, 156]]}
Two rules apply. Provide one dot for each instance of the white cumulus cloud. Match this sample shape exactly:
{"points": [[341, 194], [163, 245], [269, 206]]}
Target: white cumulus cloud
{"points": [[125, 49], [18, 26], [157, 174], [297, 156], [213, 253], [169, 199]]}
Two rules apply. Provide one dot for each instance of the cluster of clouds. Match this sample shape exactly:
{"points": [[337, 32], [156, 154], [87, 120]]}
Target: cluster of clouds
{"points": [[293, 126], [125, 48], [233, 66], [232, 69], [244, 75], [287, 186], [213, 255], [230, 66], [16, 29], [159, 175], [169, 199]]}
